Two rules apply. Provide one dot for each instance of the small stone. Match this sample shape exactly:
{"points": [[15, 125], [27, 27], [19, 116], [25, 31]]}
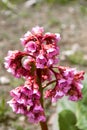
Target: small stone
{"points": [[72, 27], [8, 12], [54, 104], [68, 52], [3, 22], [30, 3], [71, 10], [76, 47], [63, 26], [62, 57], [21, 118], [4, 80], [85, 57]]}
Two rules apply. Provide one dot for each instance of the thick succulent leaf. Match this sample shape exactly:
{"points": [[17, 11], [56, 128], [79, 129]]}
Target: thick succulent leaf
{"points": [[67, 120]]}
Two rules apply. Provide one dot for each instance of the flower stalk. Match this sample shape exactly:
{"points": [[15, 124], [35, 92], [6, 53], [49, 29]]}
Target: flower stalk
{"points": [[42, 124]]}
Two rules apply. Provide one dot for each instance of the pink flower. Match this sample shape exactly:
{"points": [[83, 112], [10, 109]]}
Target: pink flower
{"points": [[37, 31], [36, 113], [51, 52], [22, 95], [31, 47], [26, 101], [41, 61], [51, 38], [68, 83], [54, 94], [35, 35], [52, 61], [16, 107], [27, 37], [29, 65], [74, 82], [13, 63], [75, 93]]}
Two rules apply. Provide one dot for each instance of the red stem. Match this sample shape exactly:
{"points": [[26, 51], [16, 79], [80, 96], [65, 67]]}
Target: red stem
{"points": [[53, 81], [42, 124]]}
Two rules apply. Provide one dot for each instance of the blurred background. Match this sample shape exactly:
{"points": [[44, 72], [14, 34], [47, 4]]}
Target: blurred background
{"points": [[67, 17]]}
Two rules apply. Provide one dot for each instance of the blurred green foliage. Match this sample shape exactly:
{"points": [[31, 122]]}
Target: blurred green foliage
{"points": [[3, 110], [19, 127], [59, 1], [6, 4], [9, 4], [16, 82], [83, 9], [77, 58]]}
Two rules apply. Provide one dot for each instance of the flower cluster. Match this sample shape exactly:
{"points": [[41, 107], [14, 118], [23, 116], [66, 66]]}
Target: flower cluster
{"points": [[36, 65], [26, 101], [68, 83]]}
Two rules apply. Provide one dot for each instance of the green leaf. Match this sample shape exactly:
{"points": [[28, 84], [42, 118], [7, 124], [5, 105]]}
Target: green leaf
{"points": [[2, 107], [67, 120], [82, 108]]}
